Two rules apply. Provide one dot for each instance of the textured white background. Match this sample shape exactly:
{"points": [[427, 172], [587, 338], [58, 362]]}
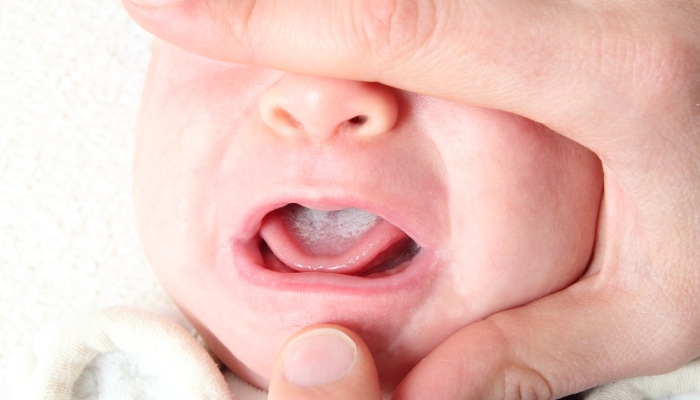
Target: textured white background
{"points": [[70, 78]]}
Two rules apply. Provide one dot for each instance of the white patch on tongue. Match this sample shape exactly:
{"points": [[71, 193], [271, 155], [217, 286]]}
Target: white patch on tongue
{"points": [[330, 232]]}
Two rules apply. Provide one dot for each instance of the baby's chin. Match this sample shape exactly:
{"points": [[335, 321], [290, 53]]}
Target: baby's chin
{"points": [[399, 328], [393, 358], [397, 315]]}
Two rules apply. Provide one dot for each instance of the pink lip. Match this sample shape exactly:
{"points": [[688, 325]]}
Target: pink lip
{"points": [[249, 262]]}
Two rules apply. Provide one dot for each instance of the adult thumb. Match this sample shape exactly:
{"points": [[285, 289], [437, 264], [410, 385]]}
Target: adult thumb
{"points": [[324, 362]]}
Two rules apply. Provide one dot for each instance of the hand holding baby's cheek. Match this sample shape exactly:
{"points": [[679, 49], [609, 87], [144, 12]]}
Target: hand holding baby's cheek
{"points": [[619, 77], [324, 362]]}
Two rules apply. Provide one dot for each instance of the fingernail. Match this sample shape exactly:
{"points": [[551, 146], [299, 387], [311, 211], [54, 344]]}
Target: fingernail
{"points": [[155, 3], [319, 357]]}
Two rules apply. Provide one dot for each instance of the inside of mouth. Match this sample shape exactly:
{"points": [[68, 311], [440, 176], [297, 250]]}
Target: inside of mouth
{"points": [[350, 241]]}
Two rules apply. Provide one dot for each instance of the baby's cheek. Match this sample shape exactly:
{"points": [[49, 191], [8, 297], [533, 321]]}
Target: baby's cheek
{"points": [[523, 206], [190, 112]]}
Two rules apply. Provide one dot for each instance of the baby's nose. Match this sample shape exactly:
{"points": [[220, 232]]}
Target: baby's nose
{"points": [[320, 108]]}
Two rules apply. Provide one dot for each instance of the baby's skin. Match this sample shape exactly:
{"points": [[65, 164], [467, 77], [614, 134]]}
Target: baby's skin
{"points": [[472, 211]]}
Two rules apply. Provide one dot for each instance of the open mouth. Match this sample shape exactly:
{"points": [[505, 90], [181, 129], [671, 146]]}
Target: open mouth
{"points": [[348, 241]]}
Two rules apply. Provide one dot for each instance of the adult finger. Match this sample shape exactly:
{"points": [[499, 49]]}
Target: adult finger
{"points": [[581, 57], [324, 362]]}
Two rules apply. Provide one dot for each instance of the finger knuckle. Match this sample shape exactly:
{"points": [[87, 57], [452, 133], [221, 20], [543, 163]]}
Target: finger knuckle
{"points": [[524, 383], [671, 66], [663, 58], [393, 28], [234, 22]]}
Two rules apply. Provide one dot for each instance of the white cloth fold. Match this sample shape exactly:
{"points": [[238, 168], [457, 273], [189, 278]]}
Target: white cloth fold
{"points": [[149, 354]]}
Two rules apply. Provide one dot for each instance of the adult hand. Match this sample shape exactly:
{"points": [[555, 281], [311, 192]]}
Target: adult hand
{"points": [[622, 78]]}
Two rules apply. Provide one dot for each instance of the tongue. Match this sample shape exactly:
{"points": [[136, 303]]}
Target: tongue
{"points": [[343, 242]]}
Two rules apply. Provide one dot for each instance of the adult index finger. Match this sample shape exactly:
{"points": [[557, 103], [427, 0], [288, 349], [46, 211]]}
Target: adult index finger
{"points": [[418, 45], [578, 68]]}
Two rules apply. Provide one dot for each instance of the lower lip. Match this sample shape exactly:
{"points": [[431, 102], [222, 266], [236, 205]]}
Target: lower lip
{"points": [[250, 265]]}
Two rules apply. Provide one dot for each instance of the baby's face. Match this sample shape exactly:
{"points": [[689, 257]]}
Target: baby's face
{"points": [[410, 217]]}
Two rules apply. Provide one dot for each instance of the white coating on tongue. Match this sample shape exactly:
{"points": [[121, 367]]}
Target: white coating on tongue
{"points": [[329, 232]]}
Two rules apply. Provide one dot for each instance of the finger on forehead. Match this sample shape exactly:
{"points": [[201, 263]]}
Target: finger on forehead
{"points": [[441, 48], [523, 57]]}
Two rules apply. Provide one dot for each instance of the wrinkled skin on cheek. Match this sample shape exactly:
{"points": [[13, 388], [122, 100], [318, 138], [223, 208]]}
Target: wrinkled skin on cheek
{"points": [[507, 207]]}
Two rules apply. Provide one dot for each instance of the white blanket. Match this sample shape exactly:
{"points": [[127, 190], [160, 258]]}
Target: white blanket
{"points": [[123, 353]]}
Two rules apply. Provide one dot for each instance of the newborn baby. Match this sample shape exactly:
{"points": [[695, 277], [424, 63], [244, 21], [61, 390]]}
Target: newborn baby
{"points": [[268, 201]]}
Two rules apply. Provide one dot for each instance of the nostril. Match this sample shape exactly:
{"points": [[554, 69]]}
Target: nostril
{"points": [[321, 108], [358, 120], [287, 119]]}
